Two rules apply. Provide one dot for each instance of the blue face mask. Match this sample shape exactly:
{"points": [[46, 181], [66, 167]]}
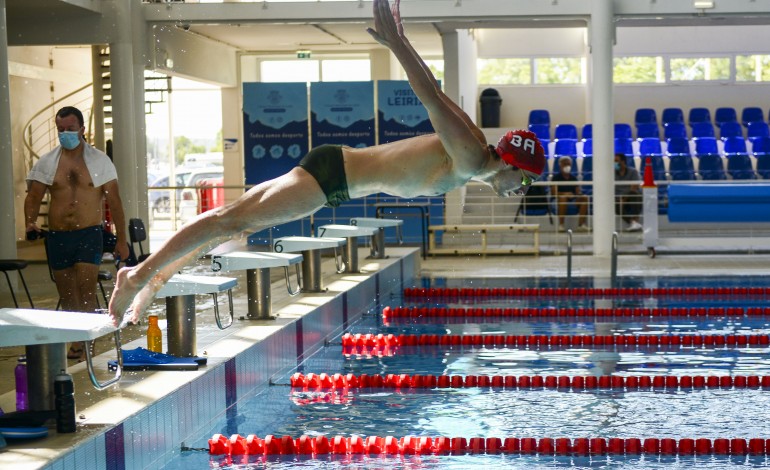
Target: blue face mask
{"points": [[69, 139], [617, 166]]}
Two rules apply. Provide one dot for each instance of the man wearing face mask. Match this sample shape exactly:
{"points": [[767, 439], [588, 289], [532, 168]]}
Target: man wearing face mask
{"points": [[569, 193], [79, 178], [628, 196]]}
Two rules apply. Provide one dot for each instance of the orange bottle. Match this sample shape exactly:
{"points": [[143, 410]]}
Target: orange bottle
{"points": [[154, 335]]}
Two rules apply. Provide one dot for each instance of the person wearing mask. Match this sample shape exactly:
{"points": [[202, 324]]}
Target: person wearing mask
{"points": [[628, 195], [568, 192], [79, 179]]}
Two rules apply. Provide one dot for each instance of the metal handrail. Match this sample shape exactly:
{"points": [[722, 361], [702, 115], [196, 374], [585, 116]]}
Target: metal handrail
{"points": [[614, 261], [569, 258]]}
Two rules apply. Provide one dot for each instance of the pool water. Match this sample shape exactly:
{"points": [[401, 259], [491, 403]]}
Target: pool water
{"points": [[500, 412]]}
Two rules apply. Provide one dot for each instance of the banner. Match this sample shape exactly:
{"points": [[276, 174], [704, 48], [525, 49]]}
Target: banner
{"points": [[400, 112], [342, 113], [275, 129]]}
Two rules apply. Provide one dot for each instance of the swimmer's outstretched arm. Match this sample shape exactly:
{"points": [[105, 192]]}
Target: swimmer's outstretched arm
{"points": [[462, 140]]}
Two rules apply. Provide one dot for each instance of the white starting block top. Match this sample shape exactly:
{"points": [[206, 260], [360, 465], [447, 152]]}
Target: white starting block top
{"points": [[191, 284], [346, 231], [373, 222], [23, 326], [295, 244], [243, 260]]}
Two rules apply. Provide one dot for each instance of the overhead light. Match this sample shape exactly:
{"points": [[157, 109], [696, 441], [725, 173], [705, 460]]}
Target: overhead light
{"points": [[703, 4]]}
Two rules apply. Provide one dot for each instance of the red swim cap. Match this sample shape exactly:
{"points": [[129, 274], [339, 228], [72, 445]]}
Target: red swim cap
{"points": [[522, 149]]}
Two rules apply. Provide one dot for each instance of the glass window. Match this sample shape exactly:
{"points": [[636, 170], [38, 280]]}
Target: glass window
{"points": [[559, 70], [752, 68], [700, 68], [346, 70], [290, 71], [504, 71], [437, 68], [638, 70]]}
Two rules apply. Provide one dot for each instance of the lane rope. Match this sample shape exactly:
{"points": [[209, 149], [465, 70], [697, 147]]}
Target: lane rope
{"points": [[324, 381], [316, 446], [390, 313], [481, 292]]}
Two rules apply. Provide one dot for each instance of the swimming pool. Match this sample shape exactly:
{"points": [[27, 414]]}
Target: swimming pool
{"points": [[525, 412]]}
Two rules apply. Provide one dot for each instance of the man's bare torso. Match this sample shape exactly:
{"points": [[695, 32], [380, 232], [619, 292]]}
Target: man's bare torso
{"points": [[419, 166], [75, 202]]}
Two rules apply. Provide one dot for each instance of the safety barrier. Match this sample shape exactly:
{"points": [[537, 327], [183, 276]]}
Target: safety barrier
{"points": [[480, 292], [311, 446], [325, 381], [378, 341], [389, 313]]}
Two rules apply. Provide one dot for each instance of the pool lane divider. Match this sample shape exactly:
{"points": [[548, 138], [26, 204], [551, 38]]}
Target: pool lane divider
{"points": [[390, 313], [316, 446], [380, 343], [485, 292], [325, 381]]}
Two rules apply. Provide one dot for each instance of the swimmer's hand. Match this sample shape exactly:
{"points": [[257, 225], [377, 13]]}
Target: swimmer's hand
{"points": [[387, 23]]}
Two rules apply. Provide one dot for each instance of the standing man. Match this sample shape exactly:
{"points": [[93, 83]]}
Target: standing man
{"points": [[79, 178], [628, 196]]}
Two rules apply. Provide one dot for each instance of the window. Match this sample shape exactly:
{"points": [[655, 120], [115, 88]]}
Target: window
{"points": [[346, 70], [638, 70], [437, 68], [290, 71], [559, 70], [504, 71], [752, 68], [700, 68]]}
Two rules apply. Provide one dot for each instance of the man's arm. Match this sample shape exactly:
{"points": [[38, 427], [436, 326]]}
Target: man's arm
{"points": [[462, 140], [112, 194], [35, 193]]}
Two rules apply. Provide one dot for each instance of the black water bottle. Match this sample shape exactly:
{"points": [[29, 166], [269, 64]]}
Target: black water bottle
{"points": [[64, 392]]}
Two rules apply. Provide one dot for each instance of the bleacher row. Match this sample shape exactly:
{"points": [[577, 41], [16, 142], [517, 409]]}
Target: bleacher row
{"points": [[702, 148]]}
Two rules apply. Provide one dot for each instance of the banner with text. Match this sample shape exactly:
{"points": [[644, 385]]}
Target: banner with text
{"points": [[401, 113], [342, 113], [275, 129]]}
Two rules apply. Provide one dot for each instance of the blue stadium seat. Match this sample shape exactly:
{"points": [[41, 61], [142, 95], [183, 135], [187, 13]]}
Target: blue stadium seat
{"points": [[651, 148], [587, 132], [680, 165], [674, 129], [671, 115], [587, 173], [757, 129], [698, 115], [626, 147], [723, 115], [647, 129], [702, 129], [761, 151], [542, 131], [565, 131], [738, 160], [540, 116], [623, 131], [645, 116], [588, 148], [752, 114], [565, 148], [730, 129], [710, 164]]}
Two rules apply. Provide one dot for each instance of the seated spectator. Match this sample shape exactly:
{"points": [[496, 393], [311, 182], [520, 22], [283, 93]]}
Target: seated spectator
{"points": [[628, 197], [569, 193]]}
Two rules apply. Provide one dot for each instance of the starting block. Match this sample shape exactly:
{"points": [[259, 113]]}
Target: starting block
{"points": [[180, 292], [257, 266], [351, 233], [310, 247], [378, 240]]}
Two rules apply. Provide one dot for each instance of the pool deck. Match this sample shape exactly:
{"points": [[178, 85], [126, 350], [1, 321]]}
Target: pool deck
{"points": [[141, 422]]}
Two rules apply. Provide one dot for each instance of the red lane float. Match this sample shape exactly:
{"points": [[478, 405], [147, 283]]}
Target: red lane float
{"points": [[316, 446], [389, 313], [485, 292], [322, 381], [379, 344]]}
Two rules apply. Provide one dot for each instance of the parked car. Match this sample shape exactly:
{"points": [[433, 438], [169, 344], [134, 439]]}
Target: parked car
{"points": [[160, 199]]}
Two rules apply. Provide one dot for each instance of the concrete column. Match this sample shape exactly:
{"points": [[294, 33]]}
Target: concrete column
{"points": [[601, 41], [127, 75], [7, 210], [98, 110], [232, 151]]}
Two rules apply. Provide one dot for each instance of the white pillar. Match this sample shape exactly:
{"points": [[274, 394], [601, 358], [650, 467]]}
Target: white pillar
{"points": [[7, 210], [601, 41]]}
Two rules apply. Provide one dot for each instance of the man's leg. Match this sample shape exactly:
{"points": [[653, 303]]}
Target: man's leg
{"points": [[561, 207], [86, 275], [68, 285], [582, 203]]}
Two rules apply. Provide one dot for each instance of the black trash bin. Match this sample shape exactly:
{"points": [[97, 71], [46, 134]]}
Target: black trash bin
{"points": [[490, 108]]}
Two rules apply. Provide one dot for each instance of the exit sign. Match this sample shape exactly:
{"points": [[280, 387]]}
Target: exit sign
{"points": [[303, 54]]}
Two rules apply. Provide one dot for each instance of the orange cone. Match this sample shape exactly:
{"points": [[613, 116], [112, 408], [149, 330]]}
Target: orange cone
{"points": [[649, 180]]}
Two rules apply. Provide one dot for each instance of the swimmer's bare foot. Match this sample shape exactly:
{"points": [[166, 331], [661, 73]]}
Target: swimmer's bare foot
{"points": [[122, 296]]}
